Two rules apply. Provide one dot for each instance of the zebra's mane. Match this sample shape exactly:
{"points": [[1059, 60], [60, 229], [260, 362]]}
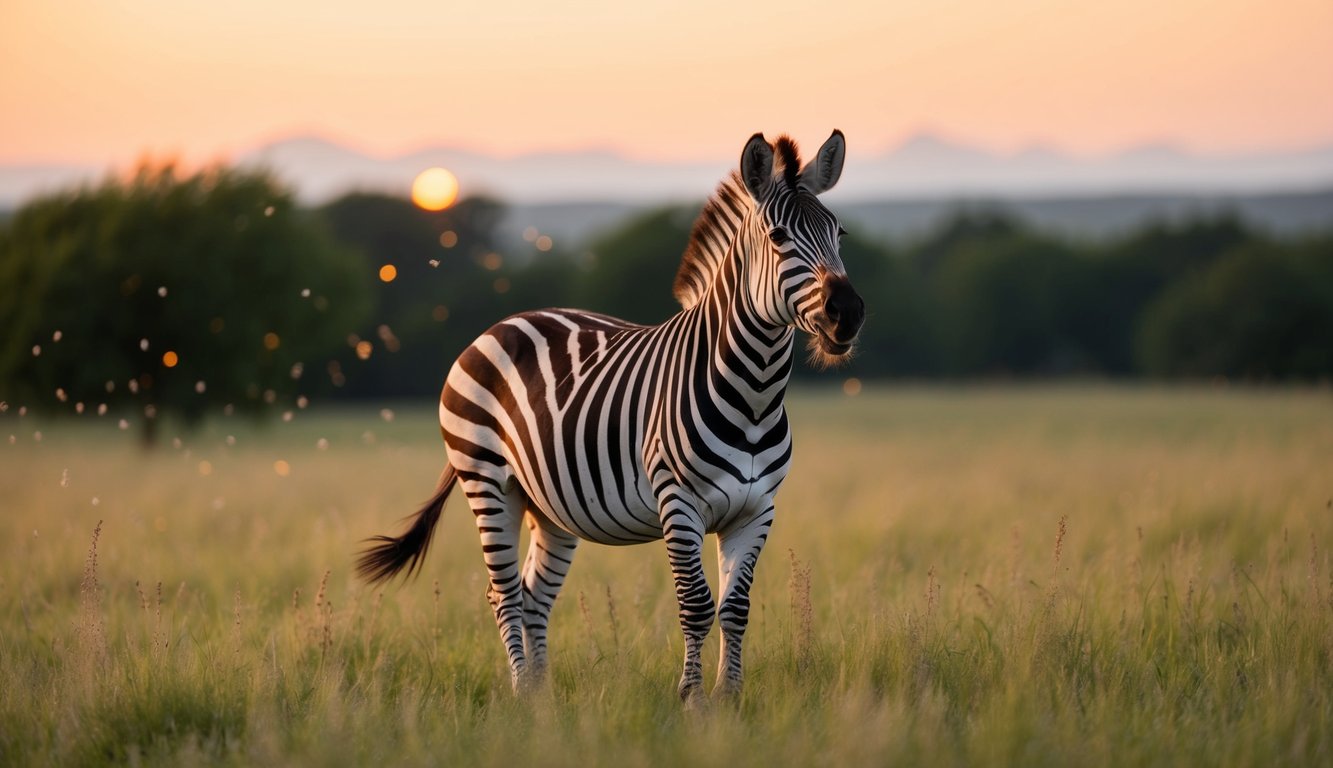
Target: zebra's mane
{"points": [[718, 223]]}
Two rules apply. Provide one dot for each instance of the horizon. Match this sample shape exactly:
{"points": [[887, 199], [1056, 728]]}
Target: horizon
{"points": [[102, 87]]}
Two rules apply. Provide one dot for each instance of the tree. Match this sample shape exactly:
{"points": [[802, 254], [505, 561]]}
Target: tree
{"points": [[634, 266], [170, 294], [1263, 311]]}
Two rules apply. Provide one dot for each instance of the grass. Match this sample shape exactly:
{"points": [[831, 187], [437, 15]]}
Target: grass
{"points": [[1091, 576]]}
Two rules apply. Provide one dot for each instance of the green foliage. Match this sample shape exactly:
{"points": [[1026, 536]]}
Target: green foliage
{"points": [[633, 267], [169, 294], [1261, 312], [453, 281]]}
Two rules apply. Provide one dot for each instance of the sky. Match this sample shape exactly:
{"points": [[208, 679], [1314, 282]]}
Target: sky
{"points": [[107, 82]]}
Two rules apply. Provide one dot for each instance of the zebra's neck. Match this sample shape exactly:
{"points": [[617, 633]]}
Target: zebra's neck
{"points": [[749, 358]]}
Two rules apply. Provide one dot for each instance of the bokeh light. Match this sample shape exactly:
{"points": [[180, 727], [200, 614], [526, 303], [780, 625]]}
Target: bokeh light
{"points": [[169, 359], [388, 272], [434, 189]]}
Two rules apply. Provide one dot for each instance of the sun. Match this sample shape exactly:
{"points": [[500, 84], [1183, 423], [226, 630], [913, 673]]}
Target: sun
{"points": [[435, 189]]}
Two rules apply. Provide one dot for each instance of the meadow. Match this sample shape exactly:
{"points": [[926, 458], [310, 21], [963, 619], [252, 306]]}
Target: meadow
{"points": [[1071, 575]]}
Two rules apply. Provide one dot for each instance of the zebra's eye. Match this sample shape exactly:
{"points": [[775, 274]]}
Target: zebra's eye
{"points": [[778, 235], [841, 231]]}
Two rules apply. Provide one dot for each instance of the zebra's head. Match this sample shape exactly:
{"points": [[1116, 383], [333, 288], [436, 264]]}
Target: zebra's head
{"points": [[800, 279]]}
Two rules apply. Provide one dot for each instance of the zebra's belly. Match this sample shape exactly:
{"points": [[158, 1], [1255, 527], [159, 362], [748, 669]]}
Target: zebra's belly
{"points": [[602, 513]]}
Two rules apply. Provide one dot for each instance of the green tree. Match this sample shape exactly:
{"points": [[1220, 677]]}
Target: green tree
{"points": [[169, 294], [451, 279], [633, 266], [1263, 311]]}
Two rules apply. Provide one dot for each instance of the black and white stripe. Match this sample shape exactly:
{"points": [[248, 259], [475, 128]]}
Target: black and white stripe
{"points": [[593, 428]]}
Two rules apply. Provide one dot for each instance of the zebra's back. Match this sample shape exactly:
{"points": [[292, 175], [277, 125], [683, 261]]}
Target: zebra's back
{"points": [[558, 401]]}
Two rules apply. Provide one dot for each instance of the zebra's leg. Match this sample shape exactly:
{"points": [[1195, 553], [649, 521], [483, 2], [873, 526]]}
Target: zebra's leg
{"points": [[738, 550], [550, 555], [499, 515], [683, 531]]}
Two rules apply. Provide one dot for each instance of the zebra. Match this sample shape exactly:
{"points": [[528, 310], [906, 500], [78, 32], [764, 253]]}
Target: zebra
{"points": [[590, 427]]}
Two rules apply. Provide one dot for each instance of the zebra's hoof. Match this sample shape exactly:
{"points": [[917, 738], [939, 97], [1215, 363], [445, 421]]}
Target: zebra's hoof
{"points": [[728, 691], [691, 692]]}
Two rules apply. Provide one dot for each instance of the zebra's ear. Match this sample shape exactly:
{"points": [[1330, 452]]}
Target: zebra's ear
{"points": [[757, 166], [820, 174]]}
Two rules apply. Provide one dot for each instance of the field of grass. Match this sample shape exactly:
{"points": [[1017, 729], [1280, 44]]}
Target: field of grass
{"points": [[993, 576]]}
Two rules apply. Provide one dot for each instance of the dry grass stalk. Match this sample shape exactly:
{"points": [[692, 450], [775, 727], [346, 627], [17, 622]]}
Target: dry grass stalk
{"points": [[615, 622], [91, 630]]}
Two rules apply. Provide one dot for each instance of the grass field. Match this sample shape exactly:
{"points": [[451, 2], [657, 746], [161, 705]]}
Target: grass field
{"points": [[994, 576]]}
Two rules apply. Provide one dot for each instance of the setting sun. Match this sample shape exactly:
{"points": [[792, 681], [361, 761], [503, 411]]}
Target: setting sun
{"points": [[435, 189]]}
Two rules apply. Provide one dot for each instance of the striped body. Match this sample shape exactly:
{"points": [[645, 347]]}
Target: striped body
{"points": [[587, 427]]}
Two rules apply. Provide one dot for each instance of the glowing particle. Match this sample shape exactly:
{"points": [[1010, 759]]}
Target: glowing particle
{"points": [[851, 387], [170, 358], [13, 439], [143, 345], [322, 444], [270, 397], [434, 262], [228, 409], [219, 503], [78, 407], [271, 341], [363, 349], [64, 478], [388, 272], [57, 336], [176, 443], [150, 411], [492, 261], [205, 468], [448, 238], [530, 234], [60, 394], [231, 440], [297, 370], [37, 436], [101, 409], [36, 350], [282, 468], [305, 293], [200, 387], [23, 410], [268, 211], [368, 437], [440, 313], [3, 406], [162, 291], [134, 386], [501, 285], [386, 414], [96, 501], [544, 243], [123, 424], [302, 401], [286, 415], [110, 386]]}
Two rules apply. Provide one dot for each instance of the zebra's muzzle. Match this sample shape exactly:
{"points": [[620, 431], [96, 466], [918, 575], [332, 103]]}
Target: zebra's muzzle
{"points": [[844, 313]]}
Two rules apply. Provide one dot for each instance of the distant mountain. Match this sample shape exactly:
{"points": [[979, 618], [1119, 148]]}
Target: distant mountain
{"points": [[924, 166]]}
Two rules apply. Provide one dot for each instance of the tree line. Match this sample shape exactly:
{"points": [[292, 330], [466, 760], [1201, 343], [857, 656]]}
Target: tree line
{"points": [[194, 293]]}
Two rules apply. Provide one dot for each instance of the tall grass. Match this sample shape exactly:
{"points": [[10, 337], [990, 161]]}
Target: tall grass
{"points": [[993, 576]]}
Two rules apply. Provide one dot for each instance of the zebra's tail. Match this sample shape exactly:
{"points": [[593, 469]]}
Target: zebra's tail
{"points": [[387, 555]]}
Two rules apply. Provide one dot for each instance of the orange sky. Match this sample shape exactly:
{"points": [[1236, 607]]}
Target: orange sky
{"points": [[97, 81]]}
